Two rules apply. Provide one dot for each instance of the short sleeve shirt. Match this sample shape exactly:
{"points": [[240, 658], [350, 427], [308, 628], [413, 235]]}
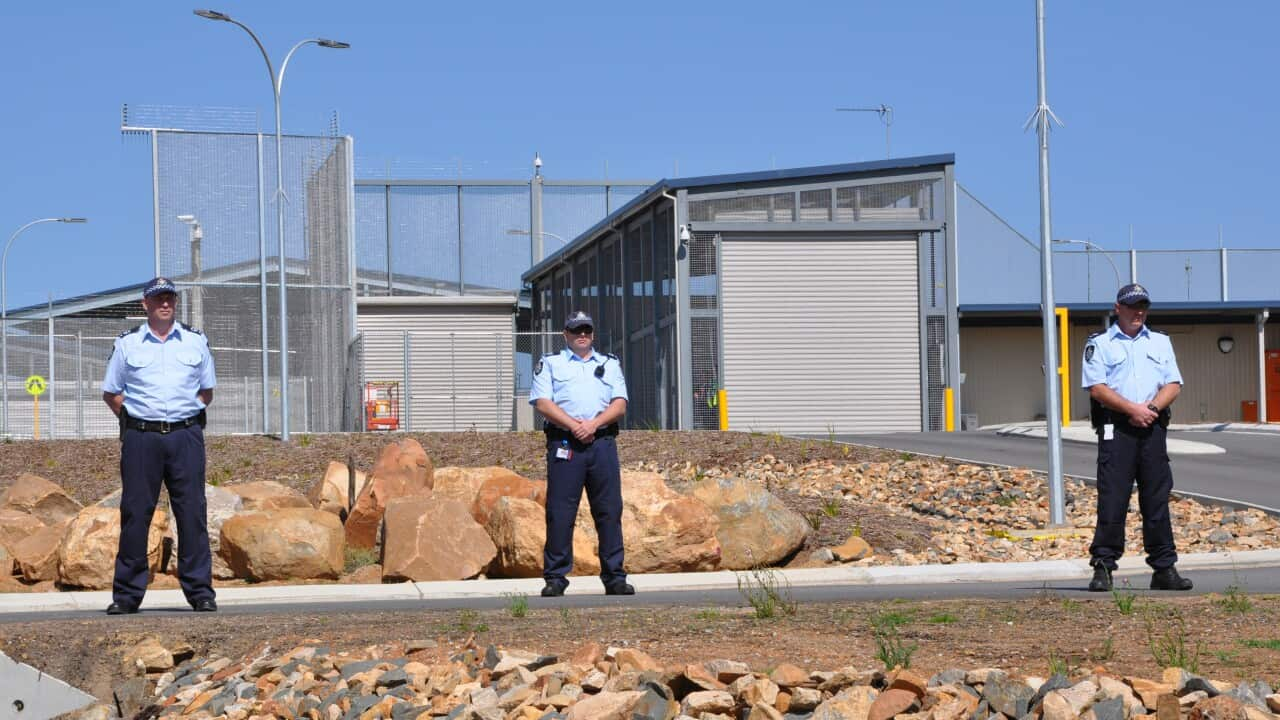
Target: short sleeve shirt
{"points": [[571, 382], [1135, 367], [160, 379]]}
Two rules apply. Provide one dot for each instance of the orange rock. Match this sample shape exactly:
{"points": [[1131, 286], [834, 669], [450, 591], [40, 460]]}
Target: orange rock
{"points": [[288, 544], [507, 485], [268, 495], [633, 659], [892, 702], [788, 675], [432, 539], [37, 554], [403, 470], [39, 498]]}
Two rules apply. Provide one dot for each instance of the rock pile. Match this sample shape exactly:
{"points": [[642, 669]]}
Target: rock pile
{"points": [[976, 512], [401, 682]]}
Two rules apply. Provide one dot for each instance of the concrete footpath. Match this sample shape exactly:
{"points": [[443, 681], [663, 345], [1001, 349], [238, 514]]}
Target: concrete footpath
{"points": [[1026, 572], [1083, 433]]}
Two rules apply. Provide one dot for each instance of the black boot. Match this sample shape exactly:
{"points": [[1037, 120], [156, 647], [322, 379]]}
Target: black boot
{"points": [[1101, 581], [1169, 579]]}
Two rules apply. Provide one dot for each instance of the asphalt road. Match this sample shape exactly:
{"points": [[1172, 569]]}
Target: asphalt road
{"points": [[1252, 581], [1249, 472]]}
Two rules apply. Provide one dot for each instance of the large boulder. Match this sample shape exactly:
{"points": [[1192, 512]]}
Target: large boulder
{"points": [[268, 495], [330, 493], [87, 556], [6, 562], [39, 498], [429, 538], [464, 483], [664, 531], [756, 528], [16, 525], [221, 504], [403, 470], [518, 527], [37, 554], [500, 486], [287, 544]]}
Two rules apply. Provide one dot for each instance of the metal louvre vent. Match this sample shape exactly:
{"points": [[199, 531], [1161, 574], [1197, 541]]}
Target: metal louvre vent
{"points": [[910, 201], [815, 205], [776, 207], [936, 334], [933, 270]]}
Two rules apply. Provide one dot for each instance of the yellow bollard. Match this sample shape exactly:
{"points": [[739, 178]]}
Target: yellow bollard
{"points": [[1064, 364], [722, 399], [948, 395]]}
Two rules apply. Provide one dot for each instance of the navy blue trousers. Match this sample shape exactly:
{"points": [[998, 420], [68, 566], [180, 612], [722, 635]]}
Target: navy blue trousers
{"points": [[175, 459], [1134, 453], [593, 467]]}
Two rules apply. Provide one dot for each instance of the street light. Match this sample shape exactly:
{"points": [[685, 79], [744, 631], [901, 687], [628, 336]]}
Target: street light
{"points": [[197, 292], [886, 116], [518, 231], [4, 312], [1088, 246], [277, 81]]}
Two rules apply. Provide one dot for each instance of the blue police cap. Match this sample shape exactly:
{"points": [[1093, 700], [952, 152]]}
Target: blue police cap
{"points": [[578, 319], [159, 285], [1132, 294]]}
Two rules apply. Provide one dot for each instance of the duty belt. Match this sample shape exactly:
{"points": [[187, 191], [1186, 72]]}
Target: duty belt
{"points": [[556, 433], [163, 426]]}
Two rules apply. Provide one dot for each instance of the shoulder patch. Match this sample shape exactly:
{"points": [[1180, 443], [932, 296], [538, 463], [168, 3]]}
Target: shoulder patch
{"points": [[1088, 351], [537, 367], [188, 328]]}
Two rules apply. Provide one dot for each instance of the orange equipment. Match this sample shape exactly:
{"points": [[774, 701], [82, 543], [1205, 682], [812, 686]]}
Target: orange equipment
{"points": [[382, 406]]}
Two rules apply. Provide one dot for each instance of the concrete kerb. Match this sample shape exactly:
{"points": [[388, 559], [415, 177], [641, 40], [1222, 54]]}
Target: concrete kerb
{"points": [[1086, 434], [1033, 572]]}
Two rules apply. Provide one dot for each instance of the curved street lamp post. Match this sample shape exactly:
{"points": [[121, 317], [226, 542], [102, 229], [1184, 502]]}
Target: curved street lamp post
{"points": [[4, 313], [276, 82]]}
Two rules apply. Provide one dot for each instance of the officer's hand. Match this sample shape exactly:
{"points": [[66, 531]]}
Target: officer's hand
{"points": [[1142, 415], [583, 430]]}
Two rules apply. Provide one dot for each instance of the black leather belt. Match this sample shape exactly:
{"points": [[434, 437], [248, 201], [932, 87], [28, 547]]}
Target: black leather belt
{"points": [[163, 426]]}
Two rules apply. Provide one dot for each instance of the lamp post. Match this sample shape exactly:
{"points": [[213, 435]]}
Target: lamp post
{"points": [[886, 116], [518, 231], [197, 292], [4, 313], [276, 82], [1091, 246]]}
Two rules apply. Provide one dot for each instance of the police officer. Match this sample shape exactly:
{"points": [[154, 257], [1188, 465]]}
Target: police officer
{"points": [[581, 394], [159, 381], [1132, 378]]}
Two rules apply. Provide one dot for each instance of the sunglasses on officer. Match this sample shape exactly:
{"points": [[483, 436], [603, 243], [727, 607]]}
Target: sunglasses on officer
{"points": [[581, 330]]}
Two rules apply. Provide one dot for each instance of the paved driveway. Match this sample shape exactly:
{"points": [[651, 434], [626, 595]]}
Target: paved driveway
{"points": [[1249, 471]]}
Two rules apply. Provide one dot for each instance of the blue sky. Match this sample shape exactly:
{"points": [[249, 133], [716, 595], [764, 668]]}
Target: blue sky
{"points": [[1170, 108]]}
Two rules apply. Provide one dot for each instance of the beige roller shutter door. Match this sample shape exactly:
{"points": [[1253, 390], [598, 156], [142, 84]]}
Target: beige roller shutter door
{"points": [[461, 362], [821, 334]]}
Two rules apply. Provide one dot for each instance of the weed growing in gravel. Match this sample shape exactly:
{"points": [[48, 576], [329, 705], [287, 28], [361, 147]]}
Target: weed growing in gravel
{"points": [[566, 617], [469, 622], [815, 520], [1272, 644], [906, 457], [945, 618], [355, 558], [831, 434], [1234, 600], [891, 649], [1104, 653], [767, 591], [1227, 657], [1069, 605], [304, 440], [1004, 500], [1124, 599], [517, 604], [1170, 646], [1058, 665], [707, 615], [831, 507]]}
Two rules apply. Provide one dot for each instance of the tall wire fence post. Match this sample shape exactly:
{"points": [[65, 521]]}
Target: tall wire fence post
{"points": [[453, 385], [53, 401], [408, 382], [79, 385]]}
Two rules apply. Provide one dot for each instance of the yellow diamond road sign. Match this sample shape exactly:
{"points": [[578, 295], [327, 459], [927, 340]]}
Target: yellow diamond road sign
{"points": [[36, 385]]}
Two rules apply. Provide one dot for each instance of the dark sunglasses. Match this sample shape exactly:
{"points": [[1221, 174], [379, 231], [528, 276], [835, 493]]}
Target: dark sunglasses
{"points": [[584, 330]]}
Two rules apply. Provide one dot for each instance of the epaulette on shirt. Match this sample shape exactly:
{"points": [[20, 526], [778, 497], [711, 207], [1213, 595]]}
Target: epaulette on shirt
{"points": [[1157, 331], [130, 331], [1094, 335], [188, 328]]}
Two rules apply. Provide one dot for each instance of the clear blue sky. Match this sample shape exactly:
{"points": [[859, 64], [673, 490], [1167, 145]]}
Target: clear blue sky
{"points": [[1170, 108]]}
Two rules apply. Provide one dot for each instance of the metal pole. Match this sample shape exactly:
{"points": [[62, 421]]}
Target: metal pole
{"points": [[262, 298], [1043, 115], [535, 212], [244, 394], [79, 385], [453, 384], [1222, 263], [408, 382], [155, 196], [53, 403]]}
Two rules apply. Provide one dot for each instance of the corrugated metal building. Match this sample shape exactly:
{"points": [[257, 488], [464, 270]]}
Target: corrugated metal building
{"points": [[820, 299]]}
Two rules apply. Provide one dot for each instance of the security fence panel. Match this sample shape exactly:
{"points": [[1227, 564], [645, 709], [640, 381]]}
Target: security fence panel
{"points": [[1253, 275], [425, 251], [29, 354], [492, 259], [568, 210], [1088, 276], [373, 273], [990, 248], [1180, 275]]}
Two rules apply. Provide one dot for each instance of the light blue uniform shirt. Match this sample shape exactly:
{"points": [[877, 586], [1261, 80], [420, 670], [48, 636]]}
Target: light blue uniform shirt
{"points": [[570, 382], [1135, 367], [160, 379]]}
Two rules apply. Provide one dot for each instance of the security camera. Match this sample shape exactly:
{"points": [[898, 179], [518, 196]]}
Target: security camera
{"points": [[537, 160]]}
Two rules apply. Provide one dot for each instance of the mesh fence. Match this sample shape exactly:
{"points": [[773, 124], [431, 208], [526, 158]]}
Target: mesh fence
{"points": [[704, 330]]}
